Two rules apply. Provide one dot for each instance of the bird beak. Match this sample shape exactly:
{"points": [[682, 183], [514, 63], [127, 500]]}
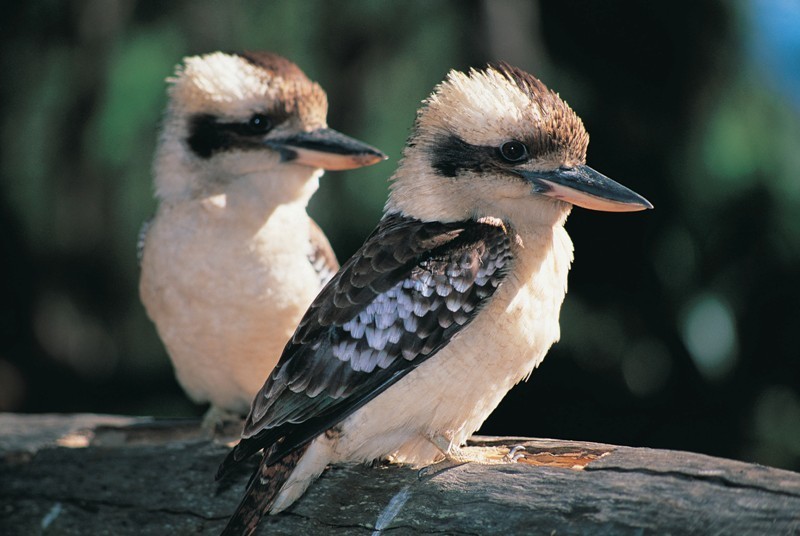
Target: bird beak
{"points": [[326, 148], [585, 187]]}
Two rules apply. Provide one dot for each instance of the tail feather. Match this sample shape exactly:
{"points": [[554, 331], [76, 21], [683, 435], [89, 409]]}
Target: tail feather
{"points": [[229, 461], [261, 493]]}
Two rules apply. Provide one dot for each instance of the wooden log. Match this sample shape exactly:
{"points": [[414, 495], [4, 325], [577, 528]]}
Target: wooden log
{"points": [[94, 474]]}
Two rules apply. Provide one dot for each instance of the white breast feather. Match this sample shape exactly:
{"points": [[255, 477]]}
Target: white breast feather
{"points": [[226, 289], [455, 391]]}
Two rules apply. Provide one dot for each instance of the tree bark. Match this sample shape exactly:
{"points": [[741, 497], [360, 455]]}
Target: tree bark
{"points": [[94, 474]]}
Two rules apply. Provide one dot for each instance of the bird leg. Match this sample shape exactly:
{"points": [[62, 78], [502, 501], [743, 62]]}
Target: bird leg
{"points": [[454, 456], [217, 421], [444, 442]]}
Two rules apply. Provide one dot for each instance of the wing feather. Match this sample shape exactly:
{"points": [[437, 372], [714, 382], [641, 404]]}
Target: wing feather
{"points": [[411, 287], [321, 255]]}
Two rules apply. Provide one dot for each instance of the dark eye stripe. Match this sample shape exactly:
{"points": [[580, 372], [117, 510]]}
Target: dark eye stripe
{"points": [[451, 156], [208, 136]]}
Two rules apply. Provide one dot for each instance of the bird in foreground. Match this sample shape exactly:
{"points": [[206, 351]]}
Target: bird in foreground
{"points": [[452, 300], [232, 260]]}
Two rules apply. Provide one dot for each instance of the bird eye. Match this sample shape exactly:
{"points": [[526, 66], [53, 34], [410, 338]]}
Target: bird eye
{"points": [[514, 151], [259, 124]]}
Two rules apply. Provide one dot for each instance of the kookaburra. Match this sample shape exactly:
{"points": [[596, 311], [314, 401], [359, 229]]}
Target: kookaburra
{"points": [[231, 259], [452, 300]]}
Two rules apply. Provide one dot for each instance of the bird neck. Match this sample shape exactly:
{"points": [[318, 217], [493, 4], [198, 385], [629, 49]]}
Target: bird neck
{"points": [[250, 179], [258, 197], [416, 192], [283, 185]]}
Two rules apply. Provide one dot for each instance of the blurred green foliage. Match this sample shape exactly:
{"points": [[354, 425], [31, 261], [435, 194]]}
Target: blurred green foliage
{"points": [[679, 329]]}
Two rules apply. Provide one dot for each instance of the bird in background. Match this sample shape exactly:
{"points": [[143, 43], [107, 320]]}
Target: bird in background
{"points": [[452, 300], [231, 259]]}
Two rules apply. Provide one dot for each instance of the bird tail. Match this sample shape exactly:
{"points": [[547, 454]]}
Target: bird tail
{"points": [[261, 493]]}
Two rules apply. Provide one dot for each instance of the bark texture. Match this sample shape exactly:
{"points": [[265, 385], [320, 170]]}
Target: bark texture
{"points": [[96, 474]]}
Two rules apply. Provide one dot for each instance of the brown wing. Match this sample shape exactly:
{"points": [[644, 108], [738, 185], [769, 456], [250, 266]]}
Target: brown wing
{"points": [[410, 288], [321, 256]]}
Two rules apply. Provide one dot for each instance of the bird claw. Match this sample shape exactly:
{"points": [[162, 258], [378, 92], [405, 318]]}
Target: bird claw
{"points": [[513, 455], [219, 424], [430, 471]]}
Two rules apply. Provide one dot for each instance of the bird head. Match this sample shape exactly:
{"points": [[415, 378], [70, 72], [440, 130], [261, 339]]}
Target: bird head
{"points": [[497, 142], [238, 114]]}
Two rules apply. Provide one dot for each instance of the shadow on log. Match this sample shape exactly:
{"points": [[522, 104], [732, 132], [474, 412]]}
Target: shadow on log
{"points": [[95, 474]]}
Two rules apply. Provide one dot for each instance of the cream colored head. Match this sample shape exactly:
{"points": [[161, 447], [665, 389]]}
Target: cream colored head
{"points": [[496, 142], [234, 86], [502, 103], [255, 115], [454, 154], [211, 133]]}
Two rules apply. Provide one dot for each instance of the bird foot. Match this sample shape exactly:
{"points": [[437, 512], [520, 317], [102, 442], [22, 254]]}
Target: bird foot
{"points": [[430, 471], [514, 455], [220, 423]]}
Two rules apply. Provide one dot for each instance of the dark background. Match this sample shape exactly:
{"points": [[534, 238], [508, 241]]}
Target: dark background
{"points": [[681, 324]]}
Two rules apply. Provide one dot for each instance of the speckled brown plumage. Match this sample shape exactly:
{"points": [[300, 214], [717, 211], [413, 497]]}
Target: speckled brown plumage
{"points": [[452, 300], [301, 96], [409, 289], [562, 131], [261, 492], [321, 257]]}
